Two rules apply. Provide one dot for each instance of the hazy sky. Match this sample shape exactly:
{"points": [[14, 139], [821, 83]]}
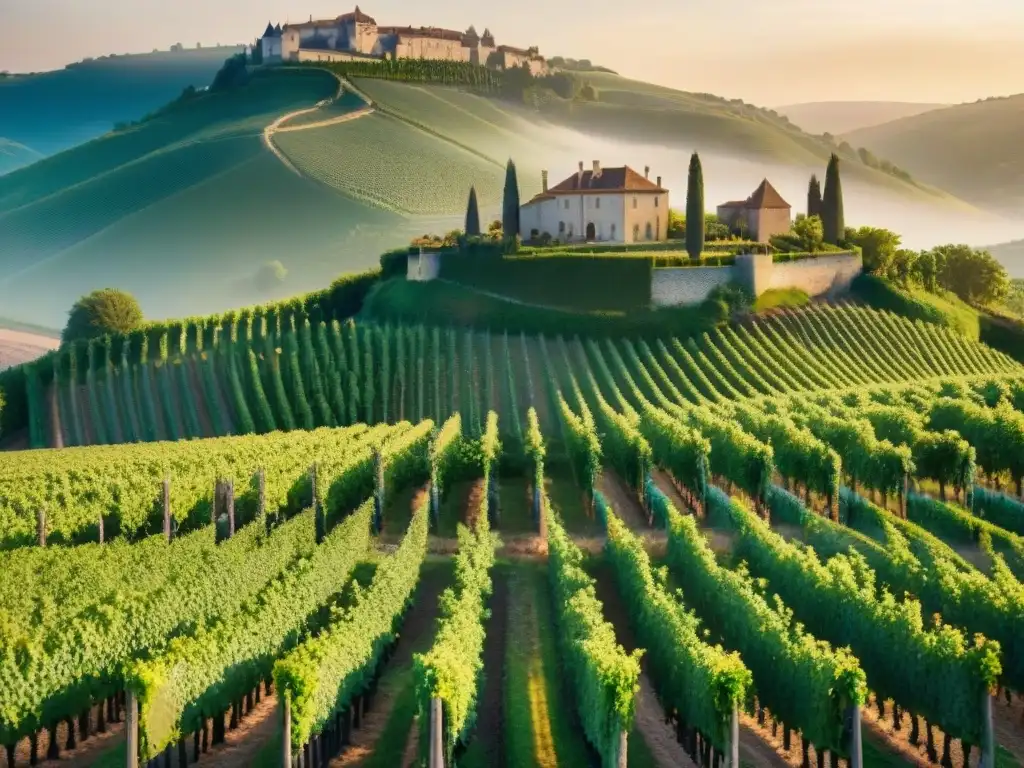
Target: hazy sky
{"points": [[769, 53]]}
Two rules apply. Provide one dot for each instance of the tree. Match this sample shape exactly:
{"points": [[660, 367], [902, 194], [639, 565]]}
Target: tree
{"points": [[695, 208], [510, 206], [809, 233], [814, 197], [878, 248], [100, 313], [832, 203], [270, 276], [972, 274], [472, 215]]}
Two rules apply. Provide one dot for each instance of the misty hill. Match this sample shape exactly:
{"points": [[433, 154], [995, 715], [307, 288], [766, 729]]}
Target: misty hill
{"points": [[52, 111], [1012, 256], [184, 209], [972, 150], [841, 117], [14, 155]]}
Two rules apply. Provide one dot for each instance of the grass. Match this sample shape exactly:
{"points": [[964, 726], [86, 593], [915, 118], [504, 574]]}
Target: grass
{"points": [[567, 498], [342, 105], [781, 297], [917, 304], [516, 515], [969, 149], [539, 727]]}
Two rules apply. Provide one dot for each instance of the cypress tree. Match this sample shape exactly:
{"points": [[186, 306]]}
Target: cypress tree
{"points": [[510, 205], [695, 208], [814, 197], [472, 215], [832, 220]]}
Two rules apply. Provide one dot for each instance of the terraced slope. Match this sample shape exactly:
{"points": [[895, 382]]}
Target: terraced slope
{"points": [[365, 372]]}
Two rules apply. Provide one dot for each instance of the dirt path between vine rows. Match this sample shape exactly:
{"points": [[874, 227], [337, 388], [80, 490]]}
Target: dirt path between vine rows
{"points": [[396, 682], [243, 744], [649, 721]]}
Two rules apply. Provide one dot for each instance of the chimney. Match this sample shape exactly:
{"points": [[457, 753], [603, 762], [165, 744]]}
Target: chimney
{"points": [[579, 176], [647, 171], [659, 181], [544, 181], [597, 168]]}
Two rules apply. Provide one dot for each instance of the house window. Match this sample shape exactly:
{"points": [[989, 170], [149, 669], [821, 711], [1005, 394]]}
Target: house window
{"points": [[634, 201], [647, 231], [570, 230], [566, 206], [561, 227], [656, 199], [657, 227], [636, 232], [597, 202], [613, 232]]}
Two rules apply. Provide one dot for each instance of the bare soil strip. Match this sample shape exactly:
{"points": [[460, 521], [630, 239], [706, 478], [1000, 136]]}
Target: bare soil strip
{"points": [[623, 500], [242, 744], [490, 724], [415, 636], [1009, 725], [85, 754]]}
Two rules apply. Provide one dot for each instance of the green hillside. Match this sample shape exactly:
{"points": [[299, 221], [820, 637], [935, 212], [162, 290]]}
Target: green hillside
{"points": [[52, 111], [14, 155], [184, 207], [971, 150], [181, 210], [841, 117]]}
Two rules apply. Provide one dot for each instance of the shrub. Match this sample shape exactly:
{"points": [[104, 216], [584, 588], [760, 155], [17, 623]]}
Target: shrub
{"points": [[100, 313]]}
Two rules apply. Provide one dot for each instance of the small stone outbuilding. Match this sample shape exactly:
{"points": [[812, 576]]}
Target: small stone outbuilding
{"points": [[759, 217]]}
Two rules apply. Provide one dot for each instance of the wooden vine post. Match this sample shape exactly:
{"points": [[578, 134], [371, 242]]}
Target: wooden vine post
{"points": [[131, 729], [988, 738], [261, 498], [622, 750], [436, 731], [378, 493], [229, 498], [732, 742], [853, 726], [286, 734], [318, 522], [167, 508], [41, 527]]}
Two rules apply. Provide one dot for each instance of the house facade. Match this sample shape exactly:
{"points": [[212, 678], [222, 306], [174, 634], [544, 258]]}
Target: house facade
{"points": [[356, 35], [761, 216], [612, 205]]}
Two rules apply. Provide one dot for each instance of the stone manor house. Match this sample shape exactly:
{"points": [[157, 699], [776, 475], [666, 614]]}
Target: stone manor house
{"points": [[356, 35], [615, 205], [618, 205]]}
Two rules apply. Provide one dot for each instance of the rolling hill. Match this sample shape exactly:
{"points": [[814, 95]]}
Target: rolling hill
{"points": [[841, 117], [184, 207], [14, 155], [52, 111], [1012, 256], [972, 150]]}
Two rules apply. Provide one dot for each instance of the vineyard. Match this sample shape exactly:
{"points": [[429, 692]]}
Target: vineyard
{"points": [[791, 542]]}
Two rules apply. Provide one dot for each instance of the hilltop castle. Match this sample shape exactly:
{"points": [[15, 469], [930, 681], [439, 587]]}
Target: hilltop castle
{"points": [[355, 36]]}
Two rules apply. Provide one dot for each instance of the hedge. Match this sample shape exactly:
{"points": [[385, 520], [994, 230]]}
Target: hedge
{"points": [[577, 281], [445, 304]]}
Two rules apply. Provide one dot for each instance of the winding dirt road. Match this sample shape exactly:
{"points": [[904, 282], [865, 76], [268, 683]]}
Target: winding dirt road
{"points": [[278, 126]]}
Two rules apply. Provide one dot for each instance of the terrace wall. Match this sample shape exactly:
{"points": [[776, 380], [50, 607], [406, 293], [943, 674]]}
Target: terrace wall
{"points": [[423, 266], [817, 276]]}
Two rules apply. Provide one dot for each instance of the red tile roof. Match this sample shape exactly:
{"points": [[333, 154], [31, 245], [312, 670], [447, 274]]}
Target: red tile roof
{"points": [[434, 32], [764, 197], [357, 15], [622, 179]]}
